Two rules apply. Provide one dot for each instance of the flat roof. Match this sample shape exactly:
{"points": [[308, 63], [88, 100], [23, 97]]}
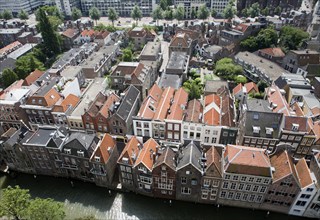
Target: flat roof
{"points": [[170, 80], [21, 51], [151, 49], [10, 30], [177, 60], [71, 72], [88, 96]]}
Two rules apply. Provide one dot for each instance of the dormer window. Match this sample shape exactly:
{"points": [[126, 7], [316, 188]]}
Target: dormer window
{"points": [[97, 159], [80, 153], [256, 129], [67, 151], [269, 131], [295, 127]]}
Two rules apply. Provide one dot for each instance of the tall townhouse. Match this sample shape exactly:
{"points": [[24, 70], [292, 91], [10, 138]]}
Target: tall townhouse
{"points": [[121, 120], [313, 210], [285, 183], [10, 100], [213, 173], [189, 172], [173, 129], [126, 161], [142, 169], [192, 6], [37, 148], [104, 161], [12, 153], [76, 153], [246, 178], [95, 118], [308, 189], [164, 174], [259, 126]]}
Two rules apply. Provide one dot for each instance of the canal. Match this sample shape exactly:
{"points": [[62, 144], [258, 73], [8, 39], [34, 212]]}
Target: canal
{"points": [[87, 199]]}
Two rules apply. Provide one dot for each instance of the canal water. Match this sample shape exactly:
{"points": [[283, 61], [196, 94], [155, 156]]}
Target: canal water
{"points": [[87, 199]]}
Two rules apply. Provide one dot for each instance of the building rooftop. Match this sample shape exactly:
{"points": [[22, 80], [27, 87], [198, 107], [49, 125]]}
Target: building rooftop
{"points": [[212, 86], [130, 152], [166, 157], [104, 149], [151, 49], [132, 94], [146, 156], [258, 105], [71, 72], [32, 77], [21, 51], [283, 166], [10, 30], [178, 60], [170, 80], [277, 100], [9, 48], [66, 57], [274, 51], [178, 106], [189, 155], [194, 111]]}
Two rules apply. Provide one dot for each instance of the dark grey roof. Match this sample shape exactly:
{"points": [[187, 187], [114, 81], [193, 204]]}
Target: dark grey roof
{"points": [[190, 154], [7, 63], [45, 88], [258, 105], [167, 157], [79, 140], [132, 94], [178, 60], [170, 80]]}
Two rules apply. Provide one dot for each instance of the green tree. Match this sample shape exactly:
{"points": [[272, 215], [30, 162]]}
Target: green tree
{"points": [[193, 13], [112, 15], [23, 15], [1, 16], [265, 11], [245, 12], [40, 209], [262, 85], [254, 10], [291, 38], [76, 14], [179, 13], [127, 55], [250, 44], [26, 64], [229, 11], [267, 38], [14, 202], [157, 14], [8, 77], [168, 14], [227, 69], [194, 88], [240, 79], [277, 10], [136, 13], [7, 15], [213, 13], [203, 12], [89, 217], [163, 4], [94, 14], [50, 37]]}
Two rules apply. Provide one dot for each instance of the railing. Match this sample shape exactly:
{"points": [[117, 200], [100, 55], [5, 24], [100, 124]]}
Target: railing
{"points": [[69, 166], [97, 171]]}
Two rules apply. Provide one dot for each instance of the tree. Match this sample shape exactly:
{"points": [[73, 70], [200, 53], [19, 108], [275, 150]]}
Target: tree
{"points": [[1, 16], [193, 14], [277, 10], [127, 55], [163, 4], [89, 217], [291, 38], [23, 15], [229, 11], [8, 77], [245, 12], [168, 14], [14, 202], [50, 37], [267, 38], [179, 13], [7, 15], [240, 79], [203, 12], [194, 88], [262, 85], [213, 13], [254, 10], [40, 209], [227, 69], [265, 11], [157, 14], [112, 15], [136, 13], [94, 14], [76, 14], [26, 64]]}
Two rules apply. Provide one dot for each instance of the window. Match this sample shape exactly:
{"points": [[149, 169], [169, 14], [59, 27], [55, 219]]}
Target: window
{"points": [[235, 177], [301, 203], [225, 185], [80, 153], [245, 197], [97, 159], [248, 187], [241, 186], [227, 177], [206, 182], [255, 188], [183, 180], [258, 180], [255, 116], [238, 196], [263, 189], [309, 189], [185, 190], [194, 182], [67, 151], [230, 195], [215, 183], [251, 179], [223, 194], [243, 179], [251, 198], [233, 186]]}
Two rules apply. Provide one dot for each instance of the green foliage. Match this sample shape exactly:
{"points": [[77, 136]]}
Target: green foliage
{"points": [[213, 13], [227, 69], [7, 15], [26, 64], [168, 14], [112, 15], [163, 4], [249, 44], [50, 11], [50, 37], [8, 77], [256, 95], [136, 13], [94, 14], [277, 10], [229, 11], [127, 55], [76, 14], [193, 13], [89, 217], [291, 38], [240, 79], [245, 12], [203, 12], [265, 11], [262, 85], [1, 16], [254, 10], [194, 88], [40, 209], [14, 202], [179, 13], [157, 14], [23, 15]]}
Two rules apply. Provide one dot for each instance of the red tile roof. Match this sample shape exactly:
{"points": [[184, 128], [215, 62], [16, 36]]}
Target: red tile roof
{"points": [[104, 149], [180, 40], [251, 87], [70, 33], [180, 100], [194, 111], [89, 33], [150, 103], [108, 103], [237, 89], [32, 77], [289, 121], [275, 52], [101, 34], [303, 173], [214, 161], [131, 151], [164, 104], [146, 155], [242, 27], [211, 112], [283, 166], [10, 48], [278, 101], [247, 160], [70, 100]]}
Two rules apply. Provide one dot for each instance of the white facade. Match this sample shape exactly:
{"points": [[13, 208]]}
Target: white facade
{"points": [[190, 5], [142, 128], [313, 211], [65, 6], [211, 134], [304, 198], [192, 131], [219, 5]]}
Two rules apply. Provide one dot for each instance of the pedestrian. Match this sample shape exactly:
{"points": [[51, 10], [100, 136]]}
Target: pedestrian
{"points": [[71, 182]]}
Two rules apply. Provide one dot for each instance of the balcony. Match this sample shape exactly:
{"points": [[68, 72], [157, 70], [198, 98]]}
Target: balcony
{"points": [[98, 171], [69, 166]]}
